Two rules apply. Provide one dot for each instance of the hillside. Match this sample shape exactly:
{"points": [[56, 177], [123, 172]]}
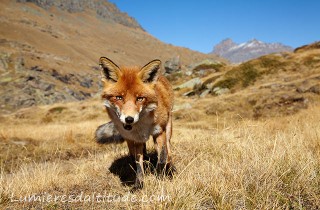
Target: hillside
{"points": [[269, 86], [49, 50], [237, 53]]}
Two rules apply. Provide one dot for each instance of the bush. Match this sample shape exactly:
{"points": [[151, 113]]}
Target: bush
{"points": [[248, 75], [245, 74]]}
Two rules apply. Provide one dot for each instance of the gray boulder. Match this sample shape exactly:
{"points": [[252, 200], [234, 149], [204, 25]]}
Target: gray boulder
{"points": [[220, 91], [189, 84], [172, 65]]}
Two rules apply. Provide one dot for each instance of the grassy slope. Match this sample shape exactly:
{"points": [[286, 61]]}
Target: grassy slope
{"points": [[226, 164], [270, 86]]}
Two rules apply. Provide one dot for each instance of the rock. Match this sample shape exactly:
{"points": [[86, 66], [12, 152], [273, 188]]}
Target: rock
{"points": [[315, 89], [63, 78], [36, 68], [304, 87], [77, 95], [189, 93], [26, 102], [11, 62], [289, 99], [87, 95], [189, 72], [220, 91], [172, 65], [189, 84], [182, 106], [86, 82], [74, 94], [36, 82], [4, 62], [204, 93], [19, 63], [210, 86], [46, 86], [58, 97], [276, 87]]}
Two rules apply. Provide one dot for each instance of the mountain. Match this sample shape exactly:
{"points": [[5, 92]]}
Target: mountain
{"points": [[49, 50], [237, 53]]}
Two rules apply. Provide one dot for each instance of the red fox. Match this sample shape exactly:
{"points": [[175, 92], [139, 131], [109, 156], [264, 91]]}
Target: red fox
{"points": [[139, 102]]}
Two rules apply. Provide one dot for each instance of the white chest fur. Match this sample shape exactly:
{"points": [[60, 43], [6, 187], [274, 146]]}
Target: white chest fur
{"points": [[140, 131]]}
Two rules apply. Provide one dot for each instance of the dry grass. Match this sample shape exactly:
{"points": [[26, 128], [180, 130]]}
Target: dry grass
{"points": [[224, 165]]}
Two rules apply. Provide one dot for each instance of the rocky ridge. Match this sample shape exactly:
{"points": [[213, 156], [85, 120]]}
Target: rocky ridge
{"points": [[102, 8]]}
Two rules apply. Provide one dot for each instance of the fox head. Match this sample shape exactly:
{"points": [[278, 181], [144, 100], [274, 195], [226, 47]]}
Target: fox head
{"points": [[129, 92]]}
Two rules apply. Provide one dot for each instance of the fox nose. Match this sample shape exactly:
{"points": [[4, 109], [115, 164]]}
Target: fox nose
{"points": [[129, 120]]}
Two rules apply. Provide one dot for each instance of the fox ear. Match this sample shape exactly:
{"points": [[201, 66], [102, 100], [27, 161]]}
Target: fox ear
{"points": [[110, 71], [150, 72]]}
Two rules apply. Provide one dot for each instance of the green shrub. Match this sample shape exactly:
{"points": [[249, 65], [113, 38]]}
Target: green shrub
{"points": [[311, 60], [57, 109], [271, 64], [248, 75], [227, 83], [205, 66]]}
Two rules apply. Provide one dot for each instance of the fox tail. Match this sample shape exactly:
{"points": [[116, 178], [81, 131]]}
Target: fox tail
{"points": [[108, 134]]}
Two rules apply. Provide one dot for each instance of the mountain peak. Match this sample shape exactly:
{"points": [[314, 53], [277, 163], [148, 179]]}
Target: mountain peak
{"points": [[237, 53], [255, 41], [227, 41], [223, 46]]}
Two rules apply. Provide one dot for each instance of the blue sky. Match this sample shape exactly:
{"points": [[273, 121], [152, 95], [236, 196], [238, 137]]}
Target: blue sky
{"points": [[201, 24]]}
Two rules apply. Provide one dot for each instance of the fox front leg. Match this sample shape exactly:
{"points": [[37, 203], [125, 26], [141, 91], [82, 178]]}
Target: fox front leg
{"points": [[136, 150], [163, 151]]}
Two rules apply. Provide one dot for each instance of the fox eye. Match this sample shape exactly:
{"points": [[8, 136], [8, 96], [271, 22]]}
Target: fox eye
{"points": [[140, 99], [119, 98]]}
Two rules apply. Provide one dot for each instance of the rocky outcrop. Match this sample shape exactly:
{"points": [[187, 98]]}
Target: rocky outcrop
{"points": [[29, 86], [103, 9], [189, 84], [172, 65]]}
